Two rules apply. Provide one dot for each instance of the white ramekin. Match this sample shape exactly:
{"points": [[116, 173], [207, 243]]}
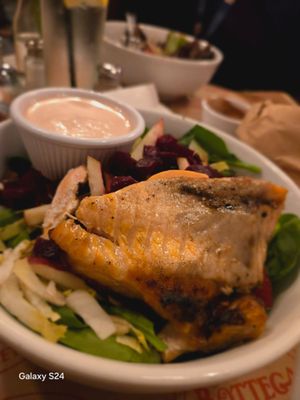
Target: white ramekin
{"points": [[53, 154], [218, 120], [173, 77]]}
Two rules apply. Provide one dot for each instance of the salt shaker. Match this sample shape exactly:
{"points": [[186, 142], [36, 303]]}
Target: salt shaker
{"points": [[109, 77], [10, 84]]}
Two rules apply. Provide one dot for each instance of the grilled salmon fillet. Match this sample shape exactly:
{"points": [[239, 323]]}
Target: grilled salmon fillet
{"points": [[179, 243]]}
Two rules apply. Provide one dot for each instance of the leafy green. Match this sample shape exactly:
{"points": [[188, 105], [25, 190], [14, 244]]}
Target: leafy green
{"points": [[23, 235], [216, 148], [142, 323], [7, 216], [283, 256], [80, 337], [174, 43], [87, 341], [67, 317], [9, 231]]}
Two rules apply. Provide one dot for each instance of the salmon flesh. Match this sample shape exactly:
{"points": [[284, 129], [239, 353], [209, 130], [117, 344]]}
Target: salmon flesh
{"points": [[183, 245]]}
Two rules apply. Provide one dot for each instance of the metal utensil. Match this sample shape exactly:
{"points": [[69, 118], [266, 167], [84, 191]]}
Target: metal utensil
{"points": [[133, 36]]}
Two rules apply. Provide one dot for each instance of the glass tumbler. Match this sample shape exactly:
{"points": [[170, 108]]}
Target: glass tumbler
{"points": [[72, 33]]}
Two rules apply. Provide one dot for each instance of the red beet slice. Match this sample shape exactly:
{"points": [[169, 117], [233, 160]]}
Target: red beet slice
{"points": [[119, 182]]}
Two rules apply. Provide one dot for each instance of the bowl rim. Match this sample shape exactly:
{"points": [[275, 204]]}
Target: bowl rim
{"points": [[174, 60], [31, 129], [101, 372], [218, 115]]}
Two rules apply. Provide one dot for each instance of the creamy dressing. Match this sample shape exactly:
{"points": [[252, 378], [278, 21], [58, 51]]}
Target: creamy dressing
{"points": [[79, 117]]}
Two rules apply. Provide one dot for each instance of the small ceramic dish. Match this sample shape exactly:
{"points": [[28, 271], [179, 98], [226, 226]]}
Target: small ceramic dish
{"points": [[53, 154], [172, 76], [218, 120]]}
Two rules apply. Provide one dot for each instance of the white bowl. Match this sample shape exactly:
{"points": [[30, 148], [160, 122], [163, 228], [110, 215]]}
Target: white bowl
{"points": [[54, 154], [281, 334], [173, 77], [218, 120]]}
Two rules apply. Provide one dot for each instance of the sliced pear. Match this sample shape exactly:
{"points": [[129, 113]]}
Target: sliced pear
{"points": [[35, 216], [195, 146], [95, 177], [220, 166], [182, 163], [149, 139]]}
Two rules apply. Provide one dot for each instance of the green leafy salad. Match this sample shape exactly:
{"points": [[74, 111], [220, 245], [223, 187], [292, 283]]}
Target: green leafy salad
{"points": [[37, 286]]}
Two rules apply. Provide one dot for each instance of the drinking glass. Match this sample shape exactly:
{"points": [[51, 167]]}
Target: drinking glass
{"points": [[26, 26], [72, 33]]}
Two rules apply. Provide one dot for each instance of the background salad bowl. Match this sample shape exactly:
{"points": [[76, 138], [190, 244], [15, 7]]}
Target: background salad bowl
{"points": [[281, 334], [173, 77]]}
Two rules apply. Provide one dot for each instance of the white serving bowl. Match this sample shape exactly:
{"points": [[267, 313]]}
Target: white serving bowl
{"points": [[218, 120], [281, 334], [53, 154], [173, 77]]}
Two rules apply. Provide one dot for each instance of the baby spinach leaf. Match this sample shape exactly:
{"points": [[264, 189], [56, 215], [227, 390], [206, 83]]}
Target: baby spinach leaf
{"points": [[87, 341], [23, 235], [80, 337], [7, 216], [283, 256], [142, 323], [69, 318], [216, 148], [174, 43]]}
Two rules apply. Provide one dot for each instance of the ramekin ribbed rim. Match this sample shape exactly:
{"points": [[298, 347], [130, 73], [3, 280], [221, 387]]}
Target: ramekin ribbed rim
{"points": [[30, 129]]}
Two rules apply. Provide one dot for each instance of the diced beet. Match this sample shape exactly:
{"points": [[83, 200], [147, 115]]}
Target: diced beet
{"points": [[29, 190], [194, 159], [146, 167], [150, 151], [20, 165], [205, 169], [170, 144], [119, 182], [121, 163], [166, 142], [168, 158], [49, 251]]}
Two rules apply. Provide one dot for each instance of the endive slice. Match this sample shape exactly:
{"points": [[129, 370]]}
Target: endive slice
{"points": [[87, 307], [39, 303], [10, 256], [62, 278], [11, 297], [27, 276]]}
